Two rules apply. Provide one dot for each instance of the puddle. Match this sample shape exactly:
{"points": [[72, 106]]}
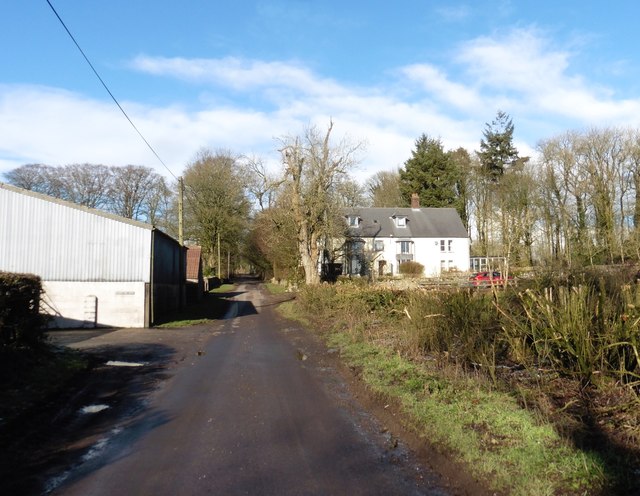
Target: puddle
{"points": [[55, 482], [93, 409], [116, 363]]}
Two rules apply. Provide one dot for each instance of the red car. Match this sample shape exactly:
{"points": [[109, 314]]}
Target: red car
{"points": [[489, 278]]}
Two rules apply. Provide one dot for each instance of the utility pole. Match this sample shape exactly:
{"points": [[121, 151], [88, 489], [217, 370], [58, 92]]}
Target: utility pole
{"points": [[219, 273], [181, 211]]}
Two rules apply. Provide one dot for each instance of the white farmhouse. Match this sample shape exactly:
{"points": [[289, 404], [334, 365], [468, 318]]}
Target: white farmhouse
{"points": [[97, 269], [380, 239]]}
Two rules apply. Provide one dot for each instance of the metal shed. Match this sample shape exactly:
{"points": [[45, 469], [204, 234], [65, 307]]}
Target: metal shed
{"points": [[97, 268]]}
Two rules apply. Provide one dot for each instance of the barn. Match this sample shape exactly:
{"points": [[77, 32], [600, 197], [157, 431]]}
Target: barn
{"points": [[97, 269]]}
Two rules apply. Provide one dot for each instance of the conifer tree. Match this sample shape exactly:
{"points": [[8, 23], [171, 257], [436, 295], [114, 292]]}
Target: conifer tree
{"points": [[431, 173], [497, 152]]}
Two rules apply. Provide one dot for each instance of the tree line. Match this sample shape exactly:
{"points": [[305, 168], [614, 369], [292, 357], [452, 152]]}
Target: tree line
{"points": [[134, 191], [576, 203]]}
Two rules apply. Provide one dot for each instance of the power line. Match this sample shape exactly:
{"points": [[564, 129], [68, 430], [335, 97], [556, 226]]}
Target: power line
{"points": [[108, 90]]}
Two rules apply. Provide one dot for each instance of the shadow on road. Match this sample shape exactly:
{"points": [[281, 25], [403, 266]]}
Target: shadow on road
{"points": [[212, 307], [49, 439], [240, 309]]}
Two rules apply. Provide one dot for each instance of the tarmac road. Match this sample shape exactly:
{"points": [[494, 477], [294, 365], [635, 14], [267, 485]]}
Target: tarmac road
{"points": [[253, 412]]}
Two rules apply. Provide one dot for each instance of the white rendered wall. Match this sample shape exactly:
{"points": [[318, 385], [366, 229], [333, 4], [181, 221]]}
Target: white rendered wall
{"points": [[118, 304], [427, 252]]}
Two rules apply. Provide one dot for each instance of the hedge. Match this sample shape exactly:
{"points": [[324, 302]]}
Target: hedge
{"points": [[20, 319]]}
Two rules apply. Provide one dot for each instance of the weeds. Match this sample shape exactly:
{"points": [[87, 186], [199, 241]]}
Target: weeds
{"points": [[547, 349]]}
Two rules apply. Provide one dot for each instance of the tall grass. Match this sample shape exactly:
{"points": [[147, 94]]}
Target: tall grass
{"points": [[581, 331], [413, 346], [578, 327]]}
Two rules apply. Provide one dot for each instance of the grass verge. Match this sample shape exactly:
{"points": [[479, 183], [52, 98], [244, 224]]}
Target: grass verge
{"points": [[513, 449], [212, 307], [484, 428]]}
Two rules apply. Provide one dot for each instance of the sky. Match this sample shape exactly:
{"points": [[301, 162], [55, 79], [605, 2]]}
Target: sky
{"points": [[238, 76]]}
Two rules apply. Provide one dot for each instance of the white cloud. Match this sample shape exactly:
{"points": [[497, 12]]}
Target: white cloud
{"points": [[235, 73], [436, 83], [520, 73], [524, 67], [454, 13]]}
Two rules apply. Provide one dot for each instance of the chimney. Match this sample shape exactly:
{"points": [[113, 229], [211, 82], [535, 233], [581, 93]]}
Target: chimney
{"points": [[415, 200]]}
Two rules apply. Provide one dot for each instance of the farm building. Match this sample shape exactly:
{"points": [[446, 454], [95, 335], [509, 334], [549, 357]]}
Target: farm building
{"points": [[97, 269]]}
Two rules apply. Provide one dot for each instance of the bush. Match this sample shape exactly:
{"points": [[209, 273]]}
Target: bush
{"points": [[20, 320], [411, 269]]}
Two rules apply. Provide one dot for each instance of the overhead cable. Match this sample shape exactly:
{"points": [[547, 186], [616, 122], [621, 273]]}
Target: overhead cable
{"points": [[109, 91]]}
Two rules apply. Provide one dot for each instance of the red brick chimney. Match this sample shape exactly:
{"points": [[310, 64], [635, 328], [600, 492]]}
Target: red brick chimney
{"points": [[415, 200]]}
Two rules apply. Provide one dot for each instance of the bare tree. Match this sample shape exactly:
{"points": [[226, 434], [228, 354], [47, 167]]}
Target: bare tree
{"points": [[383, 189], [262, 185], [131, 189], [85, 184], [313, 167], [349, 193], [36, 177]]}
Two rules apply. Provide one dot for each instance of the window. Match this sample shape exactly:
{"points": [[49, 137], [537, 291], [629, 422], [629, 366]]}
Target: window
{"points": [[446, 245], [401, 221], [356, 246], [405, 247], [354, 220], [378, 245]]}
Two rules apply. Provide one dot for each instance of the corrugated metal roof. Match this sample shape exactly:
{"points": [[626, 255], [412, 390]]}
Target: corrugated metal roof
{"points": [[93, 211], [420, 223]]}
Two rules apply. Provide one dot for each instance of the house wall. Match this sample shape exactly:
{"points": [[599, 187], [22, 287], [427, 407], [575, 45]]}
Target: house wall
{"points": [[85, 304], [425, 251]]}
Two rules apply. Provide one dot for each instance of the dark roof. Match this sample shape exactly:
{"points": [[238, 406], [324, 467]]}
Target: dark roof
{"points": [[420, 223]]}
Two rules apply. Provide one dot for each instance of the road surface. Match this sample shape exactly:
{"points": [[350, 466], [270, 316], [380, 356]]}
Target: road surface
{"points": [[253, 411]]}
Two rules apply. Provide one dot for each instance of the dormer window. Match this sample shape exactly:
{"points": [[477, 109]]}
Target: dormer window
{"points": [[401, 221], [353, 220]]}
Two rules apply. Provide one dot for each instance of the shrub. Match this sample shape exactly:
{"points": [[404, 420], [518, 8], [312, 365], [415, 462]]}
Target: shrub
{"points": [[411, 269], [20, 320]]}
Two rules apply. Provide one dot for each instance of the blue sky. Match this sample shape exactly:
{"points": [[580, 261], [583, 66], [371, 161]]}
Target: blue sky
{"points": [[238, 75]]}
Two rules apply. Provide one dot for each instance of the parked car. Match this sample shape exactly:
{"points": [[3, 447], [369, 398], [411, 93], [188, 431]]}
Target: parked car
{"points": [[489, 278]]}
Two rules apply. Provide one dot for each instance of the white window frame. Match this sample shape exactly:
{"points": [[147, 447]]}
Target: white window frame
{"points": [[401, 221], [353, 220], [378, 245]]}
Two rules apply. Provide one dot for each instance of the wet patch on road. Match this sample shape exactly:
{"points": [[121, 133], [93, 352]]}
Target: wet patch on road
{"points": [[85, 410], [118, 363]]}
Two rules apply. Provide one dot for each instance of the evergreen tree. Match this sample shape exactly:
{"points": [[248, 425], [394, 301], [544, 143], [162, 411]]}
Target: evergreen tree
{"points": [[431, 173], [497, 152]]}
